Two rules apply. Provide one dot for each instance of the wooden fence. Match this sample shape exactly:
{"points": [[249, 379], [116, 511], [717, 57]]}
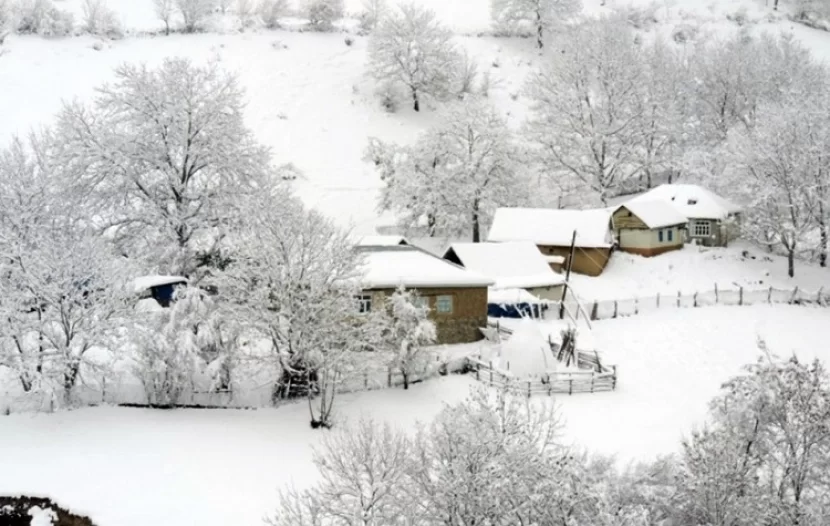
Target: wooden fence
{"points": [[572, 382], [740, 296]]}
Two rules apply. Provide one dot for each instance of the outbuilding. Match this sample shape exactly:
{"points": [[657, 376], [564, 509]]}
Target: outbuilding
{"points": [[552, 231]]}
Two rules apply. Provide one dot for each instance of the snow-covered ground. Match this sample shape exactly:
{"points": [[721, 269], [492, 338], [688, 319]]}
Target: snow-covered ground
{"points": [[697, 269], [130, 467]]}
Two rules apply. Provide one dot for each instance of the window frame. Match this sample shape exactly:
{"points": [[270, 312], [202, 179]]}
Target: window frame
{"points": [[660, 236], [364, 303], [702, 229], [670, 235], [442, 298]]}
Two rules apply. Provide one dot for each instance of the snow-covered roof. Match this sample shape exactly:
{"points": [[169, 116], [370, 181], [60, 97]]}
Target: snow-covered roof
{"points": [[510, 264], [552, 227], [434, 245], [394, 266], [655, 213], [555, 259], [510, 296], [691, 200], [380, 240], [148, 282]]}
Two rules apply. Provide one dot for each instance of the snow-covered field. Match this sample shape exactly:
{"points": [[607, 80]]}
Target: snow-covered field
{"points": [[130, 467], [697, 269]]}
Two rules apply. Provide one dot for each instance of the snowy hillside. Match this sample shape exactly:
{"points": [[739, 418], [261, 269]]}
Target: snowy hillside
{"points": [[308, 96]]}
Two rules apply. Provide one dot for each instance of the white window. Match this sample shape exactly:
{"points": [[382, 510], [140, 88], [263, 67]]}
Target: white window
{"points": [[364, 303], [702, 229], [443, 304]]}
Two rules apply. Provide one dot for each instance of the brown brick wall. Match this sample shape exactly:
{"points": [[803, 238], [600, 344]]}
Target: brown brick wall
{"points": [[462, 325]]}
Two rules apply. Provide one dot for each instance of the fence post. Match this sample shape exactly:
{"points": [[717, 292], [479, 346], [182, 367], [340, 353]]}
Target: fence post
{"points": [[740, 295], [365, 380], [571, 386], [491, 372], [615, 309], [636, 305], [614, 378], [818, 296], [795, 293], [695, 299], [678, 299], [592, 382], [594, 310], [550, 386], [658, 300], [769, 296], [478, 371], [528, 388]]}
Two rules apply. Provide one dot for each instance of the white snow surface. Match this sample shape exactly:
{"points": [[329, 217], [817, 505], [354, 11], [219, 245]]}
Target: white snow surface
{"points": [[146, 282], [526, 353], [391, 267], [42, 517], [544, 226], [517, 264], [697, 269], [691, 200], [380, 241], [502, 296], [655, 213]]}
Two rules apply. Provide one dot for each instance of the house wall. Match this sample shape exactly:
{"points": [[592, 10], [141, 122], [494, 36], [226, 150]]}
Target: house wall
{"points": [[718, 235], [462, 325], [623, 218], [552, 293], [647, 242], [588, 261]]}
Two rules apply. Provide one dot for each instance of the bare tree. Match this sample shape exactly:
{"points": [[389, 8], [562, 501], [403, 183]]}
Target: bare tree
{"points": [[270, 11], [322, 14], [245, 12], [164, 153], [164, 11], [513, 17], [373, 12], [411, 48], [195, 13], [99, 19]]}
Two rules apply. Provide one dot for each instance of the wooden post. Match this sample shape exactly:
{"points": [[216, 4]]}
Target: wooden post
{"points": [[571, 386], [592, 382], [528, 389], [636, 305], [678, 299], [818, 296], [594, 311], [389, 377], [740, 295], [614, 378], [366, 380], [795, 293], [615, 309], [478, 371], [491, 372], [769, 296], [567, 277], [550, 385], [658, 300], [695, 299], [716, 293]]}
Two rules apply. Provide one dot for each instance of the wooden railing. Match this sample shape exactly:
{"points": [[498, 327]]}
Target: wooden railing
{"points": [[571, 382]]}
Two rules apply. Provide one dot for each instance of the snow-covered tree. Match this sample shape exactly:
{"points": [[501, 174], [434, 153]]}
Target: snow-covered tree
{"points": [[585, 107], [6, 19], [406, 331], [165, 154], [100, 19], [373, 12], [295, 277], [165, 9], [188, 346], [61, 285], [195, 13], [270, 11], [538, 17], [411, 48], [322, 14], [43, 18], [456, 175], [245, 11], [362, 470]]}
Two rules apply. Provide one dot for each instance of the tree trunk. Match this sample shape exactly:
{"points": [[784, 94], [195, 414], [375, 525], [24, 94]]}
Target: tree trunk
{"points": [[476, 223], [822, 226], [791, 262], [540, 36], [405, 379], [416, 104], [775, 6]]}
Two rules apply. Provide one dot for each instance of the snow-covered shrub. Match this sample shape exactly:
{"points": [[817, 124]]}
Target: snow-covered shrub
{"points": [[322, 14], [6, 19], [467, 74], [270, 11], [195, 13], [348, 41], [99, 19], [740, 17], [484, 84], [224, 5], [389, 96], [683, 33], [43, 18], [373, 11], [537, 18], [245, 12]]}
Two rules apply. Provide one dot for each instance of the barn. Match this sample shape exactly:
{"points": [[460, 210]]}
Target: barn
{"points": [[456, 297], [552, 231], [648, 228]]}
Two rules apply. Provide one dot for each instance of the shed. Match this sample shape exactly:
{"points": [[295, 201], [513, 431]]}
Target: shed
{"points": [[513, 265], [648, 228], [456, 297], [551, 230], [711, 220]]}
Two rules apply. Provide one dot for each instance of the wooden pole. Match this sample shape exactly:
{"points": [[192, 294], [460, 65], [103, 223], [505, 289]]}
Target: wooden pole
{"points": [[716, 293], [528, 388], [615, 309], [795, 294], [571, 386], [818, 296], [740, 295], [678, 299], [567, 276], [769, 295], [658, 300]]}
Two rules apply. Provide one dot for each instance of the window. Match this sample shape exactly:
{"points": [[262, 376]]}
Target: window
{"points": [[443, 304], [660, 236], [364, 303], [702, 229], [670, 233], [421, 302], [691, 201]]}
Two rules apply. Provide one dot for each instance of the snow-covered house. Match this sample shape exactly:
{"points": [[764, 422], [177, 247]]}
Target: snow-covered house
{"points": [[456, 297], [552, 230], [513, 265], [648, 228], [159, 288], [712, 221]]}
